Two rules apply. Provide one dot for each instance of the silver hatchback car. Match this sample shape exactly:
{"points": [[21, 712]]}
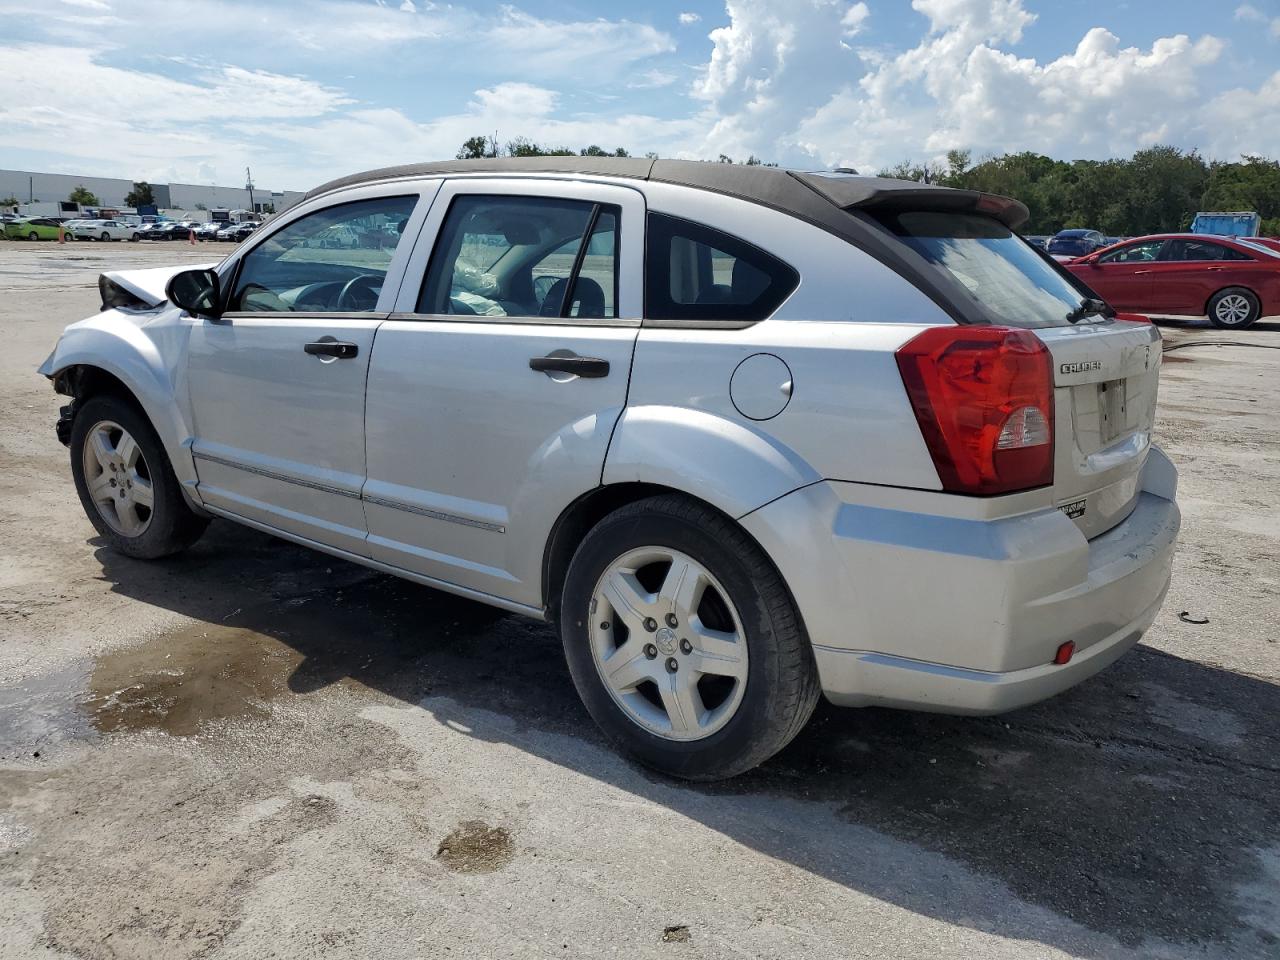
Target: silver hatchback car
{"points": [[747, 435]]}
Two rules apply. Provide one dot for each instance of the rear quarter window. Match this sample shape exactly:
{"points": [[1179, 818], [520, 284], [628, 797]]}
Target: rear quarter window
{"points": [[694, 272]]}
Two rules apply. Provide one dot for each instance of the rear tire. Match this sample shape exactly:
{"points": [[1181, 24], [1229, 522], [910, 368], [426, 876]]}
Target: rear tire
{"points": [[1234, 308], [736, 658], [33, 235], [125, 481]]}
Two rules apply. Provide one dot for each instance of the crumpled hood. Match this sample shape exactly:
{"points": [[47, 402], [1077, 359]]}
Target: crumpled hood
{"points": [[148, 285]]}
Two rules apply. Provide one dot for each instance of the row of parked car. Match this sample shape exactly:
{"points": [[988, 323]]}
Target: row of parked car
{"points": [[47, 228]]}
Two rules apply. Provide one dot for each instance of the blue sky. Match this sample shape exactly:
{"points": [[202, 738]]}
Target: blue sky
{"points": [[301, 90]]}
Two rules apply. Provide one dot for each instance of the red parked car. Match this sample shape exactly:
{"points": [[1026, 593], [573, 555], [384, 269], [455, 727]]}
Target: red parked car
{"points": [[1230, 281]]}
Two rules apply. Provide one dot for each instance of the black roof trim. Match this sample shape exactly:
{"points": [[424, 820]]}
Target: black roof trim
{"points": [[839, 204]]}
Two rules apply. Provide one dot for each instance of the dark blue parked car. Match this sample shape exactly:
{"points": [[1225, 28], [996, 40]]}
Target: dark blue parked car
{"points": [[1076, 243]]}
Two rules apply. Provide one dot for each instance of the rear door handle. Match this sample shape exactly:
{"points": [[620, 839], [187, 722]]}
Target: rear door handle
{"points": [[335, 349], [588, 367]]}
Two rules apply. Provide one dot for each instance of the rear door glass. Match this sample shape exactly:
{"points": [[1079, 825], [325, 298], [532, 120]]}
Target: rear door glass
{"points": [[1195, 251], [1016, 286], [502, 256]]}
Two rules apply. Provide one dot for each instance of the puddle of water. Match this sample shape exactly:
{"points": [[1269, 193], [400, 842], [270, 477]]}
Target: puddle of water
{"points": [[176, 684], [182, 681]]}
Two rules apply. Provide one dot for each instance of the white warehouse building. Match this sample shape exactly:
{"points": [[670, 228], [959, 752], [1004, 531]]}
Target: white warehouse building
{"points": [[46, 190]]}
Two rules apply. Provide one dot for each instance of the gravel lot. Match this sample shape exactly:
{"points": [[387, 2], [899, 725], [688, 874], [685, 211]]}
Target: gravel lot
{"points": [[254, 751]]}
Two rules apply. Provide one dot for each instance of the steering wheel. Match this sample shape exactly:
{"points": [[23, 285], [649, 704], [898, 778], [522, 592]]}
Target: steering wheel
{"points": [[365, 283]]}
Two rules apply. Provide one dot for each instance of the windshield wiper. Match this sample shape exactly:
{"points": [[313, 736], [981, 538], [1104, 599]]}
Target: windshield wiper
{"points": [[1089, 307]]}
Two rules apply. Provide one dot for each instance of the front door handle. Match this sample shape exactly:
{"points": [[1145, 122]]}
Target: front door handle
{"points": [[588, 367], [334, 349]]}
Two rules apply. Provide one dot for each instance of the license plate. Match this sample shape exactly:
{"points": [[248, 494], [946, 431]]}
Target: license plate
{"points": [[1113, 408]]}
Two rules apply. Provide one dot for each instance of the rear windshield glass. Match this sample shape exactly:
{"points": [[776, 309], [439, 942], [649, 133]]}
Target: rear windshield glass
{"points": [[1013, 283]]}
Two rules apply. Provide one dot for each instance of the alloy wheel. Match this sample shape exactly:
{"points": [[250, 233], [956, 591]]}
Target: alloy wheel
{"points": [[118, 478], [1233, 309], [668, 643]]}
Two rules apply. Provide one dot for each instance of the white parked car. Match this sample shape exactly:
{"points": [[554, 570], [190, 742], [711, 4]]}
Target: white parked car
{"points": [[103, 230], [746, 435]]}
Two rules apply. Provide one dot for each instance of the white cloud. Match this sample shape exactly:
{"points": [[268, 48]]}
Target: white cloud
{"points": [[773, 87], [408, 6], [1251, 14], [854, 18], [652, 80], [688, 18]]}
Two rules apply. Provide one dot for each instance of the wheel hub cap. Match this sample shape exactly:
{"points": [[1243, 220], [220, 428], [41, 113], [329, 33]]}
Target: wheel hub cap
{"points": [[681, 681], [118, 478]]}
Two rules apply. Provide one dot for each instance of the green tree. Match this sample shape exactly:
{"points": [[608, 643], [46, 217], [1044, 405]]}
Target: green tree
{"points": [[83, 196], [140, 196], [475, 148], [10, 201]]}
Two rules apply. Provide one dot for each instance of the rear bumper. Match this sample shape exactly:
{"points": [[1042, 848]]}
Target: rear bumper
{"points": [[952, 614]]}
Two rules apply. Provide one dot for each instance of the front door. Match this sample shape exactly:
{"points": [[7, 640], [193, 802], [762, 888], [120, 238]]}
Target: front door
{"points": [[495, 387], [1123, 277], [277, 382]]}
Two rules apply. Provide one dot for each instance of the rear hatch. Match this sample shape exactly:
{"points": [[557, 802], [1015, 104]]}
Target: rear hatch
{"points": [[1105, 371], [1105, 382]]}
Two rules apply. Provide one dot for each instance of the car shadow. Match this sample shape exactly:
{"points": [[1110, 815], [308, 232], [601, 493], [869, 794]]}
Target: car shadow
{"points": [[1137, 805]]}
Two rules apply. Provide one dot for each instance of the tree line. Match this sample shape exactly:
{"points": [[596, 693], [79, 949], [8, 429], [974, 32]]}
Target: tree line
{"points": [[1157, 190], [476, 148]]}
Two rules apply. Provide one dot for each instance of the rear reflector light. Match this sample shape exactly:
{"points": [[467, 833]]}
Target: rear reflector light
{"points": [[983, 397], [1065, 653]]}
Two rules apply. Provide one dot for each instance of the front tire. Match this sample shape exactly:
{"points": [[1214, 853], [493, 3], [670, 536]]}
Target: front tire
{"points": [[683, 641], [125, 481], [1234, 308]]}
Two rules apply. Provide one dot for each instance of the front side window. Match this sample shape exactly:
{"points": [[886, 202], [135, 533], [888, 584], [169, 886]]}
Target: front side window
{"points": [[524, 257], [693, 272], [1198, 250], [1016, 286], [1135, 253], [332, 261]]}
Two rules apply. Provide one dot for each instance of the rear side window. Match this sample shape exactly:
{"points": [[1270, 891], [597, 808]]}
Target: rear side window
{"points": [[693, 272], [1016, 286], [500, 256], [1198, 250]]}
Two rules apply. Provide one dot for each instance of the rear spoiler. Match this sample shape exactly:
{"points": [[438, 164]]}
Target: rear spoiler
{"points": [[883, 195]]}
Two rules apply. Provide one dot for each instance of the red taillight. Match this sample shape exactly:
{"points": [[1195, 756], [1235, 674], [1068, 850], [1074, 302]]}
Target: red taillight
{"points": [[983, 397], [1134, 317]]}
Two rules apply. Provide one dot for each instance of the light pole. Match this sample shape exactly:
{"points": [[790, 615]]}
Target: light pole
{"points": [[248, 185]]}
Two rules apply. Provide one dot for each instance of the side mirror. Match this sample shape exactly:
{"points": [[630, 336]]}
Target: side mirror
{"points": [[197, 292]]}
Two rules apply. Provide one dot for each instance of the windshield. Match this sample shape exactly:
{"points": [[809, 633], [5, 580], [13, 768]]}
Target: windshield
{"points": [[1013, 283]]}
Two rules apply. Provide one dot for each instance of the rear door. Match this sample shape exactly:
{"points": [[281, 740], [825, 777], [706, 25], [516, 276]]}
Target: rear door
{"points": [[277, 383], [495, 387], [1124, 277]]}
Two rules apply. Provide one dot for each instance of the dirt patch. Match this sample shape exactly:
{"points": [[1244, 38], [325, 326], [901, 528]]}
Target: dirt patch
{"points": [[679, 934], [476, 847]]}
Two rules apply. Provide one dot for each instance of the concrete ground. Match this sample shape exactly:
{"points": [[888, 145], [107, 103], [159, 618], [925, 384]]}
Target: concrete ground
{"points": [[255, 751]]}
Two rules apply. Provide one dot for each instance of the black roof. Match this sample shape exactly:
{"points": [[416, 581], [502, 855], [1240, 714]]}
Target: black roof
{"points": [[791, 191], [840, 203]]}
